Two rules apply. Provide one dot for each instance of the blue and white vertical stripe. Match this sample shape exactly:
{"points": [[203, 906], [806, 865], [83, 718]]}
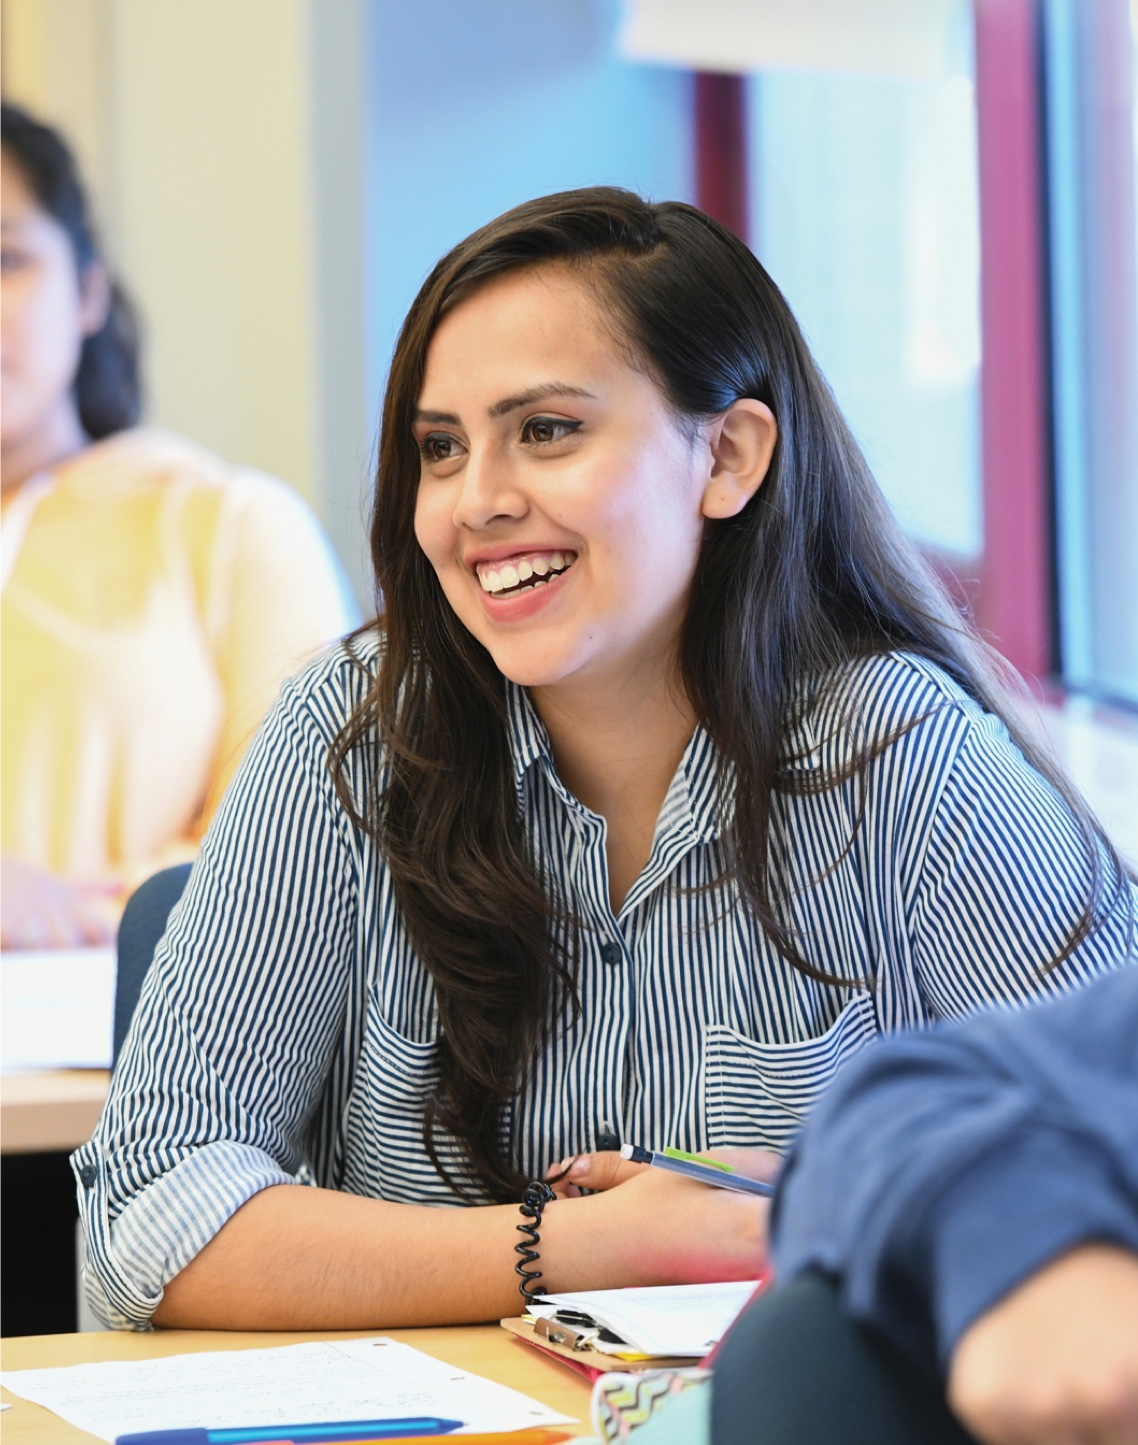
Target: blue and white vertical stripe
{"points": [[287, 1026]]}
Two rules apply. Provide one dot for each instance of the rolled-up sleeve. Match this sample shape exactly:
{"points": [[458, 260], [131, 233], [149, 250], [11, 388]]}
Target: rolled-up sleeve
{"points": [[239, 1021]]}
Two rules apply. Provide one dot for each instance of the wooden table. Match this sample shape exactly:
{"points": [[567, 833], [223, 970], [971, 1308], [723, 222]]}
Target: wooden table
{"points": [[483, 1349], [50, 1111]]}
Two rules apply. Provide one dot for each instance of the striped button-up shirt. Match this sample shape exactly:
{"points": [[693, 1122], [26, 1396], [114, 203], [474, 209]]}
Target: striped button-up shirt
{"points": [[287, 1028]]}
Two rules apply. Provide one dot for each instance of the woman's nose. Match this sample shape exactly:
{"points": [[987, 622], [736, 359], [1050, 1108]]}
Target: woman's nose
{"points": [[489, 490]]}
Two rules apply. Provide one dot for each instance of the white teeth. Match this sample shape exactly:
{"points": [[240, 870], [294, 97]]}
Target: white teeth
{"points": [[542, 568]]}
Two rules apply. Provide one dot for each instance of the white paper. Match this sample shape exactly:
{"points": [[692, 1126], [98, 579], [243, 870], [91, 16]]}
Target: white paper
{"points": [[669, 1319], [371, 1379], [59, 1009]]}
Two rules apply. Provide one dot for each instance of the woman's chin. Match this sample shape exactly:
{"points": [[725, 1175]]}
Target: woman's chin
{"points": [[533, 676], [528, 669]]}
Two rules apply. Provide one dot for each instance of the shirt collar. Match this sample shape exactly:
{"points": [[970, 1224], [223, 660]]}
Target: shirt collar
{"points": [[529, 741]]}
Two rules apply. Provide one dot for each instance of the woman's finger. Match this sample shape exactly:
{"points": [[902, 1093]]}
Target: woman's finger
{"points": [[603, 1170]]}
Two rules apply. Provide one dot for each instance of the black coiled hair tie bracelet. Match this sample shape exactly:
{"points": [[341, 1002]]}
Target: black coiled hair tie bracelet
{"points": [[537, 1196]]}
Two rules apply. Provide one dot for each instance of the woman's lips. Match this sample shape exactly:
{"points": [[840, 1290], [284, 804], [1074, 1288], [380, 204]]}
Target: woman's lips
{"points": [[524, 601], [523, 572]]}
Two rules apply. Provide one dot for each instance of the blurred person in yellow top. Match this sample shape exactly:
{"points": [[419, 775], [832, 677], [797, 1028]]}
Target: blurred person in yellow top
{"points": [[154, 597]]}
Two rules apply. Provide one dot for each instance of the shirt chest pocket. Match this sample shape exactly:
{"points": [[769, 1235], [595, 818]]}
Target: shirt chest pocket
{"points": [[759, 1094], [394, 1079]]}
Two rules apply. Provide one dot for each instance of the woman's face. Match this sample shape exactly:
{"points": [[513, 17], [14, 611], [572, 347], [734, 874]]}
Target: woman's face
{"points": [[559, 502], [45, 312]]}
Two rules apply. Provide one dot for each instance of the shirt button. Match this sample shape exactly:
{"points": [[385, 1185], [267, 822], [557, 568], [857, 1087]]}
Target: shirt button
{"points": [[612, 953], [88, 1174], [607, 1140]]}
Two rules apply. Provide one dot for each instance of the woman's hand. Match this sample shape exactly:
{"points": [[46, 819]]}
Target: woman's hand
{"points": [[39, 909], [1056, 1361], [671, 1229]]}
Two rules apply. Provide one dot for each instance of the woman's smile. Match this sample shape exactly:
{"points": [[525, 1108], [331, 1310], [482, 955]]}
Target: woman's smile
{"points": [[523, 571], [524, 586]]}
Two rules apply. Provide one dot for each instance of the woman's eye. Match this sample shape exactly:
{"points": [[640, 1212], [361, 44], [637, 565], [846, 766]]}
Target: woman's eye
{"points": [[542, 430], [438, 447]]}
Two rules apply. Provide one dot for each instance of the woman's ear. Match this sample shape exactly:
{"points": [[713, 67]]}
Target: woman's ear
{"points": [[94, 298], [742, 443]]}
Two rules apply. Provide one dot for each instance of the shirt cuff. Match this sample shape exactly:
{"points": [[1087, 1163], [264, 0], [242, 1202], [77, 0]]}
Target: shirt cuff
{"points": [[127, 1264]]}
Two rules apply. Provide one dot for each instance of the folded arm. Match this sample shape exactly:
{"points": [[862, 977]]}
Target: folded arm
{"points": [[1018, 1200]]}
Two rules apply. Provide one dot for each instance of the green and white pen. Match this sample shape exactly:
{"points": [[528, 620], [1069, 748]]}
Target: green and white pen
{"points": [[695, 1166]]}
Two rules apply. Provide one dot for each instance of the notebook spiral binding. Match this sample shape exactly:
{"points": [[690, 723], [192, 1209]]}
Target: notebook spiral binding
{"points": [[537, 1196]]}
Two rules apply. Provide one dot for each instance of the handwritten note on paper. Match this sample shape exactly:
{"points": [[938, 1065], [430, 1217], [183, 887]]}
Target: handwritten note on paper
{"points": [[372, 1379], [58, 1009]]}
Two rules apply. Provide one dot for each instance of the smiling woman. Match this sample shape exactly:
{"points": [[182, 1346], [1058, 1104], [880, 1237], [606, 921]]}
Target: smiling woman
{"points": [[667, 780]]}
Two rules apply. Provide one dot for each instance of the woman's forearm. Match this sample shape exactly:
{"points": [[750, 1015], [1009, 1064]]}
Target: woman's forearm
{"points": [[295, 1258]]}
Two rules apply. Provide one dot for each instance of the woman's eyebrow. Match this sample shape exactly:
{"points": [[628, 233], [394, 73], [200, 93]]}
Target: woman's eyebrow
{"points": [[538, 393], [509, 403]]}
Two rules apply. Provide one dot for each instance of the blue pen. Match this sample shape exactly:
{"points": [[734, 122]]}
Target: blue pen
{"points": [[329, 1433], [720, 1175]]}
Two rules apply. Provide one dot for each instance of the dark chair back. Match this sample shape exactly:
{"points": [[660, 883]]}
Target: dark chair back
{"points": [[143, 924]]}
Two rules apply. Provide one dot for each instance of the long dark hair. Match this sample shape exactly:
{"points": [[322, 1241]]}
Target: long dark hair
{"points": [[107, 387], [812, 575]]}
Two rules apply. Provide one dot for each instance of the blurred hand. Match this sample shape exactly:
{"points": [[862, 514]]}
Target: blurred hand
{"points": [[1056, 1361], [39, 909], [679, 1230]]}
